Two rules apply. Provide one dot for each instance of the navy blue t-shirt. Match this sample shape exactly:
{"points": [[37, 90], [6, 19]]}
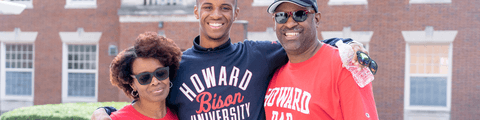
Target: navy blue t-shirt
{"points": [[229, 81]]}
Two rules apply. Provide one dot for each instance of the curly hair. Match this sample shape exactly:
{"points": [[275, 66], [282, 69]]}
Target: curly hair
{"points": [[147, 45]]}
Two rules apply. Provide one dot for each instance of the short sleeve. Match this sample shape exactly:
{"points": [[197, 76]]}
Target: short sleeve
{"points": [[273, 52]]}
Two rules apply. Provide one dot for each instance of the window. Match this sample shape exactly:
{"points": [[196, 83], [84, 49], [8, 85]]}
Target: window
{"points": [[18, 69], [429, 1], [112, 50], [81, 4], [80, 66], [81, 72], [28, 3], [428, 73], [347, 2], [262, 2]]}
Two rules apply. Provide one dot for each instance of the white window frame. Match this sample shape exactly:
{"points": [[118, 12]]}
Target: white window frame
{"points": [[70, 4], [428, 37], [430, 1], [262, 3], [78, 38], [29, 4], [17, 36], [363, 37], [347, 2]]}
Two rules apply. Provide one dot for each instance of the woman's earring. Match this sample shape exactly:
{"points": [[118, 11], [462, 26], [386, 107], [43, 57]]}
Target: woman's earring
{"points": [[134, 95], [171, 84]]}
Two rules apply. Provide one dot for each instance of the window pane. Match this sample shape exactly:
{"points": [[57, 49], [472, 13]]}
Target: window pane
{"points": [[70, 48], [25, 47], [428, 91], [443, 69], [77, 84], [75, 57], [82, 48], [18, 83], [30, 48], [14, 47], [75, 48], [8, 48], [7, 64], [81, 56], [94, 49], [87, 65], [30, 56], [436, 69], [24, 65]]}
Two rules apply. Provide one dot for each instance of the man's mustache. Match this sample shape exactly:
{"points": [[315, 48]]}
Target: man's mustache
{"points": [[296, 28]]}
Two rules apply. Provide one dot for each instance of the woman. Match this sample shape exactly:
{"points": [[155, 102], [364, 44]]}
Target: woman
{"points": [[144, 72]]}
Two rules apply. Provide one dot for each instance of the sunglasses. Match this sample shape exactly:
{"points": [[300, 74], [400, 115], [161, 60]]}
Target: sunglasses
{"points": [[365, 60], [298, 16], [145, 78]]}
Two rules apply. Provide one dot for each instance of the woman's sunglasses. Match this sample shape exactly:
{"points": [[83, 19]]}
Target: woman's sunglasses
{"points": [[299, 16], [365, 60], [145, 78]]}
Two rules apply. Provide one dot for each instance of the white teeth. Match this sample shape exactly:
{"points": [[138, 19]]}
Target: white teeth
{"points": [[215, 24], [291, 34]]}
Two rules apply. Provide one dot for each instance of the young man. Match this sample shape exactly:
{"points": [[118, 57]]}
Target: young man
{"points": [[313, 84], [218, 79]]}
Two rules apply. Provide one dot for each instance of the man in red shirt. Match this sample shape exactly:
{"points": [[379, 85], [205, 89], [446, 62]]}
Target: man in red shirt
{"points": [[313, 84]]}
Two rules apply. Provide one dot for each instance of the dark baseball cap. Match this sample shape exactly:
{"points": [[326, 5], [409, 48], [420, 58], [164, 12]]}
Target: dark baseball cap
{"points": [[303, 3]]}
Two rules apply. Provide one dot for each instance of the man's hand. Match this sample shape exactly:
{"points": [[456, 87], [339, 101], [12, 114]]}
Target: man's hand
{"points": [[357, 47], [100, 114]]}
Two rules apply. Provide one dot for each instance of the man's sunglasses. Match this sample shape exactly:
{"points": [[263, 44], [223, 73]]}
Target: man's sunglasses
{"points": [[299, 16], [145, 78], [365, 60]]}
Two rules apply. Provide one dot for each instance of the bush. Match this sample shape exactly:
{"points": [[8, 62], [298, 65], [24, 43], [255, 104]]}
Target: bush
{"points": [[66, 111]]}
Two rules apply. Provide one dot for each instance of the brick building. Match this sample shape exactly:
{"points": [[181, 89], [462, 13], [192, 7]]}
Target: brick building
{"points": [[59, 51]]}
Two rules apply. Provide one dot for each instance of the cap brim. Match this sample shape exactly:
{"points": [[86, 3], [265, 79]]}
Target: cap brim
{"points": [[275, 4]]}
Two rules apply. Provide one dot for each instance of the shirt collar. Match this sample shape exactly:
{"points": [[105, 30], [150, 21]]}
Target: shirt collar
{"points": [[196, 45]]}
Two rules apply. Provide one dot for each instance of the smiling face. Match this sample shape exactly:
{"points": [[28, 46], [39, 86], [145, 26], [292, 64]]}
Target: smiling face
{"points": [[157, 90], [216, 18], [296, 37]]}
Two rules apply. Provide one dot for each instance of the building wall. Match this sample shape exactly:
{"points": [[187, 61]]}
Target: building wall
{"points": [[48, 18]]}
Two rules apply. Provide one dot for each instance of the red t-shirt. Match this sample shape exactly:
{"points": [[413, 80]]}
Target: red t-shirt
{"points": [[318, 89], [129, 113]]}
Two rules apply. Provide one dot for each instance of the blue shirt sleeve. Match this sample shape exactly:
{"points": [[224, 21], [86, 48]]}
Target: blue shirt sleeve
{"points": [[273, 52], [332, 41]]}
